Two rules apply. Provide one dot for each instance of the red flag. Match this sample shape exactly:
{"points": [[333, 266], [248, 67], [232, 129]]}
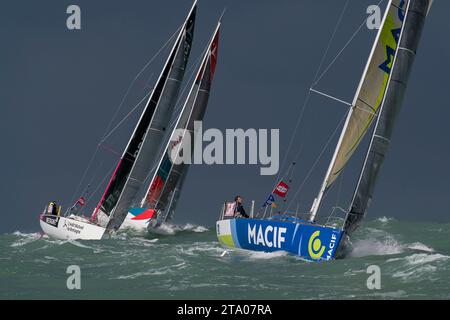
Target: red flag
{"points": [[81, 201], [281, 189]]}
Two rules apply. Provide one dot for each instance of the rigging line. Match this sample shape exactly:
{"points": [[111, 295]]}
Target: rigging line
{"points": [[95, 174], [330, 97], [123, 119], [146, 85], [84, 175], [100, 184], [119, 108], [338, 196], [317, 159], [309, 93], [137, 76], [322, 61], [342, 50], [178, 105], [291, 141], [92, 181]]}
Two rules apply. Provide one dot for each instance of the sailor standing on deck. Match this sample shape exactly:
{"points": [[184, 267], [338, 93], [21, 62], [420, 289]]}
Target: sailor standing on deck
{"points": [[239, 211], [52, 208]]}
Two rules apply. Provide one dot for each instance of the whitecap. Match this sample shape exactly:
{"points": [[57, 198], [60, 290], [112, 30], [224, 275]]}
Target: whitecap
{"points": [[419, 247], [418, 266], [375, 247], [171, 229], [25, 238], [258, 255], [384, 219]]}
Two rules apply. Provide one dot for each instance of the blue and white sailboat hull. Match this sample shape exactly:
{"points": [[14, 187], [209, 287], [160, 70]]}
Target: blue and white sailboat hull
{"points": [[309, 241]]}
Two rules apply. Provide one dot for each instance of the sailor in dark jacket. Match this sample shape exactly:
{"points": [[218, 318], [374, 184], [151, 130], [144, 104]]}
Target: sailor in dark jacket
{"points": [[239, 209]]}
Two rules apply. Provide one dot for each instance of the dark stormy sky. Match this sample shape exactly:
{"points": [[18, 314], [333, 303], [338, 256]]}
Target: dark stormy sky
{"points": [[60, 88]]}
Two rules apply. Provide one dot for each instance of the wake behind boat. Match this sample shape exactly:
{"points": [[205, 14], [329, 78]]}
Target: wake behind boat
{"points": [[379, 96]]}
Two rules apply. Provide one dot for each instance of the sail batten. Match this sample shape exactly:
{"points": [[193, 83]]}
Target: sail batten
{"points": [[414, 21]]}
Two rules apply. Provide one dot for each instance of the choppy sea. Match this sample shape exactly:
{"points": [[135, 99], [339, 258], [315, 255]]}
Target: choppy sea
{"points": [[413, 257]]}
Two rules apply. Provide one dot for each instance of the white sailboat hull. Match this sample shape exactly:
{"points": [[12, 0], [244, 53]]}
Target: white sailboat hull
{"points": [[70, 228]]}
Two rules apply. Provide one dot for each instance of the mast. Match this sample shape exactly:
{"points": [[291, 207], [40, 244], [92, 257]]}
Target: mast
{"points": [[168, 179], [360, 114], [120, 189], [414, 20]]}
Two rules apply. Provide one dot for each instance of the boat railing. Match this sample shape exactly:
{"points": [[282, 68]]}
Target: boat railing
{"points": [[222, 211], [336, 218], [222, 215]]}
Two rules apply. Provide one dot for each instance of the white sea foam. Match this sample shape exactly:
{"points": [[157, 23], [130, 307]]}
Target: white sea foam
{"points": [[141, 274], [419, 247], [171, 229], [423, 258], [258, 255], [202, 247], [384, 219], [380, 242], [25, 238], [375, 247], [153, 272], [418, 266]]}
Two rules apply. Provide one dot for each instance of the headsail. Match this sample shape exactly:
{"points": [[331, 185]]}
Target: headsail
{"points": [[139, 154], [369, 95], [414, 14], [167, 181]]}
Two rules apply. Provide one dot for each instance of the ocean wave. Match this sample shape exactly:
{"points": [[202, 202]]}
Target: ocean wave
{"points": [[418, 266], [260, 255], [385, 219], [376, 247], [423, 258], [380, 242], [25, 238], [142, 242], [153, 272], [172, 229], [419, 247], [198, 248]]}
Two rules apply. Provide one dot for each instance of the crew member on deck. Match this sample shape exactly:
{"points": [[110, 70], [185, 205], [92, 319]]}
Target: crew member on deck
{"points": [[239, 211], [52, 208]]}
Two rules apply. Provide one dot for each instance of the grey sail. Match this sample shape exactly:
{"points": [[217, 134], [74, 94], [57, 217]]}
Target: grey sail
{"points": [[150, 130], [414, 13], [171, 206], [167, 181]]}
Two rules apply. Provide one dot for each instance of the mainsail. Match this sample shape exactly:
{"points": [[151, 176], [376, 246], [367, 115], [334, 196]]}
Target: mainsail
{"points": [[139, 154], [165, 186], [413, 14], [369, 95]]}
